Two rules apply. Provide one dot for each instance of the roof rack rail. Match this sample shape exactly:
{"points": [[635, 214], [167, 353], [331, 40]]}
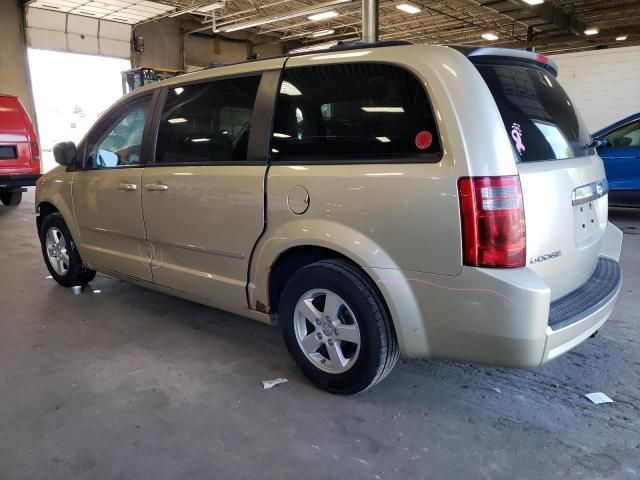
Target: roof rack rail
{"points": [[355, 44], [348, 45], [340, 46]]}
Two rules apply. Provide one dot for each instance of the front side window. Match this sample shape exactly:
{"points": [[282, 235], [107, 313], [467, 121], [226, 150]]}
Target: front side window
{"points": [[120, 143], [207, 122], [627, 136], [350, 111]]}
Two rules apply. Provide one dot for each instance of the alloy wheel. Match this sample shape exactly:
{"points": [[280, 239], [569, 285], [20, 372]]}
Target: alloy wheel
{"points": [[57, 252], [327, 331]]}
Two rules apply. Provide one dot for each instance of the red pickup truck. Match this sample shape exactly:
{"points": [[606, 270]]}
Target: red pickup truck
{"points": [[19, 151]]}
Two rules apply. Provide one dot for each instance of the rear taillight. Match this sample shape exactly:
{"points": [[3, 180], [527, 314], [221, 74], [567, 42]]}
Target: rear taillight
{"points": [[35, 151], [542, 58], [34, 147], [493, 233]]}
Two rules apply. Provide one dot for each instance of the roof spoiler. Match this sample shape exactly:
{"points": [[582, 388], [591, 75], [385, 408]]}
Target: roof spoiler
{"points": [[481, 54]]}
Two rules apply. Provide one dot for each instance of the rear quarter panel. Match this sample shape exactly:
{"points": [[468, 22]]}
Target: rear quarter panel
{"points": [[394, 215]]}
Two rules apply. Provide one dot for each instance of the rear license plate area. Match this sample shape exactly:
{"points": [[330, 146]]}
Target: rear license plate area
{"points": [[8, 152], [586, 222]]}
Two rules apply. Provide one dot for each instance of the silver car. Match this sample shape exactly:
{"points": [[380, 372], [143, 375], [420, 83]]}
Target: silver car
{"points": [[429, 201]]}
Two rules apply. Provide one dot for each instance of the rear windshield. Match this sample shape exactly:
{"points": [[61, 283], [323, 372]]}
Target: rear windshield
{"points": [[540, 119]]}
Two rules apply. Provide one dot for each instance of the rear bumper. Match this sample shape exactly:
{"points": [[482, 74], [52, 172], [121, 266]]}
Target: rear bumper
{"points": [[498, 316], [16, 181], [578, 315]]}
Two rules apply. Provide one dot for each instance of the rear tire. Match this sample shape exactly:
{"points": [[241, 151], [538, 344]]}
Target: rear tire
{"points": [[60, 253], [316, 332], [11, 198]]}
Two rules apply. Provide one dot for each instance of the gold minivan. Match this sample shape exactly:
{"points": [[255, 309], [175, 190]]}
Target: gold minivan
{"points": [[430, 201]]}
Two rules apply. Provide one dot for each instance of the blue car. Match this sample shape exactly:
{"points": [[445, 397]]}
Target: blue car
{"points": [[619, 148]]}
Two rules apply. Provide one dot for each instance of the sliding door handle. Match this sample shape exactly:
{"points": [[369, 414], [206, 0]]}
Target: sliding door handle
{"points": [[127, 187], [156, 187]]}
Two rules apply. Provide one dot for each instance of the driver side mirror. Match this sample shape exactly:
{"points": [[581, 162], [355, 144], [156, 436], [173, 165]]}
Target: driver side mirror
{"points": [[65, 153]]}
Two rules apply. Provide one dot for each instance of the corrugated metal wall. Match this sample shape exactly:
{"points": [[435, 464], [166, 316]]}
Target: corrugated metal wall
{"points": [[604, 84]]}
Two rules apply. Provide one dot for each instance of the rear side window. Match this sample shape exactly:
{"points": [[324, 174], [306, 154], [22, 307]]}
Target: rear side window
{"points": [[540, 119], [207, 122], [352, 111]]}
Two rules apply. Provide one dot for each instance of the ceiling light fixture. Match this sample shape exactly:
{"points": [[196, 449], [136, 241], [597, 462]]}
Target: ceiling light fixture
{"points": [[621, 38], [591, 31], [489, 36], [317, 10], [314, 47], [177, 120], [408, 7], [317, 17], [383, 109], [322, 33], [333, 56], [533, 2]]}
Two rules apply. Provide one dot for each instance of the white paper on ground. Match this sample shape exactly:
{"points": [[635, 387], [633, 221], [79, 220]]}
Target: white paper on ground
{"points": [[598, 397], [272, 383]]}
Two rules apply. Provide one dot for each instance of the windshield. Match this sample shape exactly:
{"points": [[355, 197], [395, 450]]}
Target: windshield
{"points": [[540, 119]]}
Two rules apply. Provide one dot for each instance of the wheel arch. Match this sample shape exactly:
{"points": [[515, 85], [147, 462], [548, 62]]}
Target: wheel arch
{"points": [[42, 210], [283, 250], [297, 257], [318, 238], [290, 261]]}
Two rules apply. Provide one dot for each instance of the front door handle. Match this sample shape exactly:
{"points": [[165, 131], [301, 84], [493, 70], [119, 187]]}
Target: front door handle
{"points": [[127, 187], [156, 187]]}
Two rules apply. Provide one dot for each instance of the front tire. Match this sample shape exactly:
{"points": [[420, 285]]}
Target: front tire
{"points": [[337, 328], [60, 253], [11, 198]]}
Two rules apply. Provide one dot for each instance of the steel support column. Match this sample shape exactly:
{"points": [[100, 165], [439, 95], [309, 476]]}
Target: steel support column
{"points": [[370, 20]]}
